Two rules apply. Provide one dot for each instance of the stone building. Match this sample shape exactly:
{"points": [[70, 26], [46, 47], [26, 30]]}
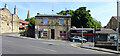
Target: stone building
{"points": [[8, 22], [112, 24], [52, 26]]}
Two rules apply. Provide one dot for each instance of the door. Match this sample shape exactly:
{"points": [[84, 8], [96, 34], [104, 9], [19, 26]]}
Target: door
{"points": [[52, 34], [39, 34]]}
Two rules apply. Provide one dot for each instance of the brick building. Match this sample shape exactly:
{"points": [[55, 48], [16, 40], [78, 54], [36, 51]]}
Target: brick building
{"points": [[8, 22], [22, 25], [52, 26]]}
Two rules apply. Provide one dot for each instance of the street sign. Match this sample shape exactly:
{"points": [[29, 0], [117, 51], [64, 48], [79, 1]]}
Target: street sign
{"points": [[40, 29]]}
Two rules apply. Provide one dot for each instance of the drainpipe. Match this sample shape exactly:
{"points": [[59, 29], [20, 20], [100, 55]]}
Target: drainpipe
{"points": [[12, 22]]}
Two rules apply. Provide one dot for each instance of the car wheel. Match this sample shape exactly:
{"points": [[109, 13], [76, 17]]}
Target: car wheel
{"points": [[84, 41]]}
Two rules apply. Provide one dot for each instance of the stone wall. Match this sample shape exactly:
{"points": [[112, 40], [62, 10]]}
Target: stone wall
{"points": [[7, 24], [53, 23]]}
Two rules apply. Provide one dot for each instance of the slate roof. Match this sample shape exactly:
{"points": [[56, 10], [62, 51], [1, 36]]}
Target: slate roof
{"points": [[105, 31], [42, 15], [116, 17], [102, 30]]}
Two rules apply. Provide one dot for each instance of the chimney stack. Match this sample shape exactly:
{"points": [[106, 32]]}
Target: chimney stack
{"points": [[6, 7], [15, 10], [67, 12], [38, 13]]}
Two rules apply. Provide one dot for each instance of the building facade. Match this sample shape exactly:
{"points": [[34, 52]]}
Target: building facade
{"points": [[112, 24], [52, 26], [23, 25], [90, 34], [8, 22]]}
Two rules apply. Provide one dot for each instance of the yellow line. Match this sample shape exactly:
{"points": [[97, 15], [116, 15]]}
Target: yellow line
{"points": [[89, 49]]}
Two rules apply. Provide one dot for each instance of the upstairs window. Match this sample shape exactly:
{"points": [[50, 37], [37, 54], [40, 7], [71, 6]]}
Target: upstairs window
{"points": [[45, 20], [61, 21]]}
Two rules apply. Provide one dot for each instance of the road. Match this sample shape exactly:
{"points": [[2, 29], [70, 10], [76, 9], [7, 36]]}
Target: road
{"points": [[11, 45]]}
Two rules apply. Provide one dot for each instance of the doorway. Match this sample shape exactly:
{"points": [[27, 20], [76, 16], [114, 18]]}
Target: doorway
{"points": [[52, 34], [39, 34]]}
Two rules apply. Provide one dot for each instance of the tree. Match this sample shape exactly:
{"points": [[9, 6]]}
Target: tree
{"points": [[31, 27], [64, 12], [31, 22], [82, 17]]}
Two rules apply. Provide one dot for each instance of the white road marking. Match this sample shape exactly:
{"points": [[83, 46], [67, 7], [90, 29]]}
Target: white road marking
{"points": [[48, 43], [90, 49], [43, 48]]}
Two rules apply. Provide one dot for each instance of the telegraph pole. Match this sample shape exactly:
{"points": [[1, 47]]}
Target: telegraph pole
{"points": [[118, 26]]}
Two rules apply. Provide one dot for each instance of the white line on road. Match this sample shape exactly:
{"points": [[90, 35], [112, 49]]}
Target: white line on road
{"points": [[48, 43], [90, 49], [43, 48]]}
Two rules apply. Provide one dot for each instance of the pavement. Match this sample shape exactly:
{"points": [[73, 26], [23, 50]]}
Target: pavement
{"points": [[14, 45], [90, 45]]}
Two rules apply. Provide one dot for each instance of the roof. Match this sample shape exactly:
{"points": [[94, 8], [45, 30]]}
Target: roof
{"points": [[42, 15], [22, 21], [81, 28], [101, 31], [116, 17], [106, 31]]}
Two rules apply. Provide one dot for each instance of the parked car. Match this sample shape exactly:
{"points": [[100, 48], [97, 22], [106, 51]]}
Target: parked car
{"points": [[77, 39]]}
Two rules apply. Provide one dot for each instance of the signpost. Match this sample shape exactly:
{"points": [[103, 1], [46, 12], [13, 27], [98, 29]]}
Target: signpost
{"points": [[82, 36]]}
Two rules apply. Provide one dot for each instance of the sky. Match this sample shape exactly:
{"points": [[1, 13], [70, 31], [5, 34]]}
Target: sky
{"points": [[101, 11]]}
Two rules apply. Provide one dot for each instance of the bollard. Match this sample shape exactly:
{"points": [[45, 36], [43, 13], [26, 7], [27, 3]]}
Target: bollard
{"points": [[73, 40]]}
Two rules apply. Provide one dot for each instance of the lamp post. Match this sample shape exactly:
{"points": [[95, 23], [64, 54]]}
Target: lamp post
{"points": [[118, 26]]}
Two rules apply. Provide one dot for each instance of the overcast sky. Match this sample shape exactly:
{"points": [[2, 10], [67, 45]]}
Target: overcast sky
{"points": [[101, 11]]}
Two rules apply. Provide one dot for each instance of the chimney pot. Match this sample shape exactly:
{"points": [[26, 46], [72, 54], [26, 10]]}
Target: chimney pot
{"points": [[38, 13]]}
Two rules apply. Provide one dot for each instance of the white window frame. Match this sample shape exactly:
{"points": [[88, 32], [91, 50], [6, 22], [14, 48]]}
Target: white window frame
{"points": [[43, 21], [61, 19]]}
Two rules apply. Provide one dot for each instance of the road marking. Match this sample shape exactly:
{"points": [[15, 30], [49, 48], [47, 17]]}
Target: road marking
{"points": [[89, 49], [44, 48]]}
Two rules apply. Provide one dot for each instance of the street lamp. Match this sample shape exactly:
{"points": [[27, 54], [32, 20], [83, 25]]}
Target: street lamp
{"points": [[118, 26]]}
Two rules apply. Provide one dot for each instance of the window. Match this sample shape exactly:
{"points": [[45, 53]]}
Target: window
{"points": [[61, 21], [112, 23], [45, 33], [62, 33], [9, 27], [112, 38], [45, 20], [20, 23]]}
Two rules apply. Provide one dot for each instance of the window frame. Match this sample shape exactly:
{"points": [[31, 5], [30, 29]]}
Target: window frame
{"points": [[45, 21], [60, 20]]}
